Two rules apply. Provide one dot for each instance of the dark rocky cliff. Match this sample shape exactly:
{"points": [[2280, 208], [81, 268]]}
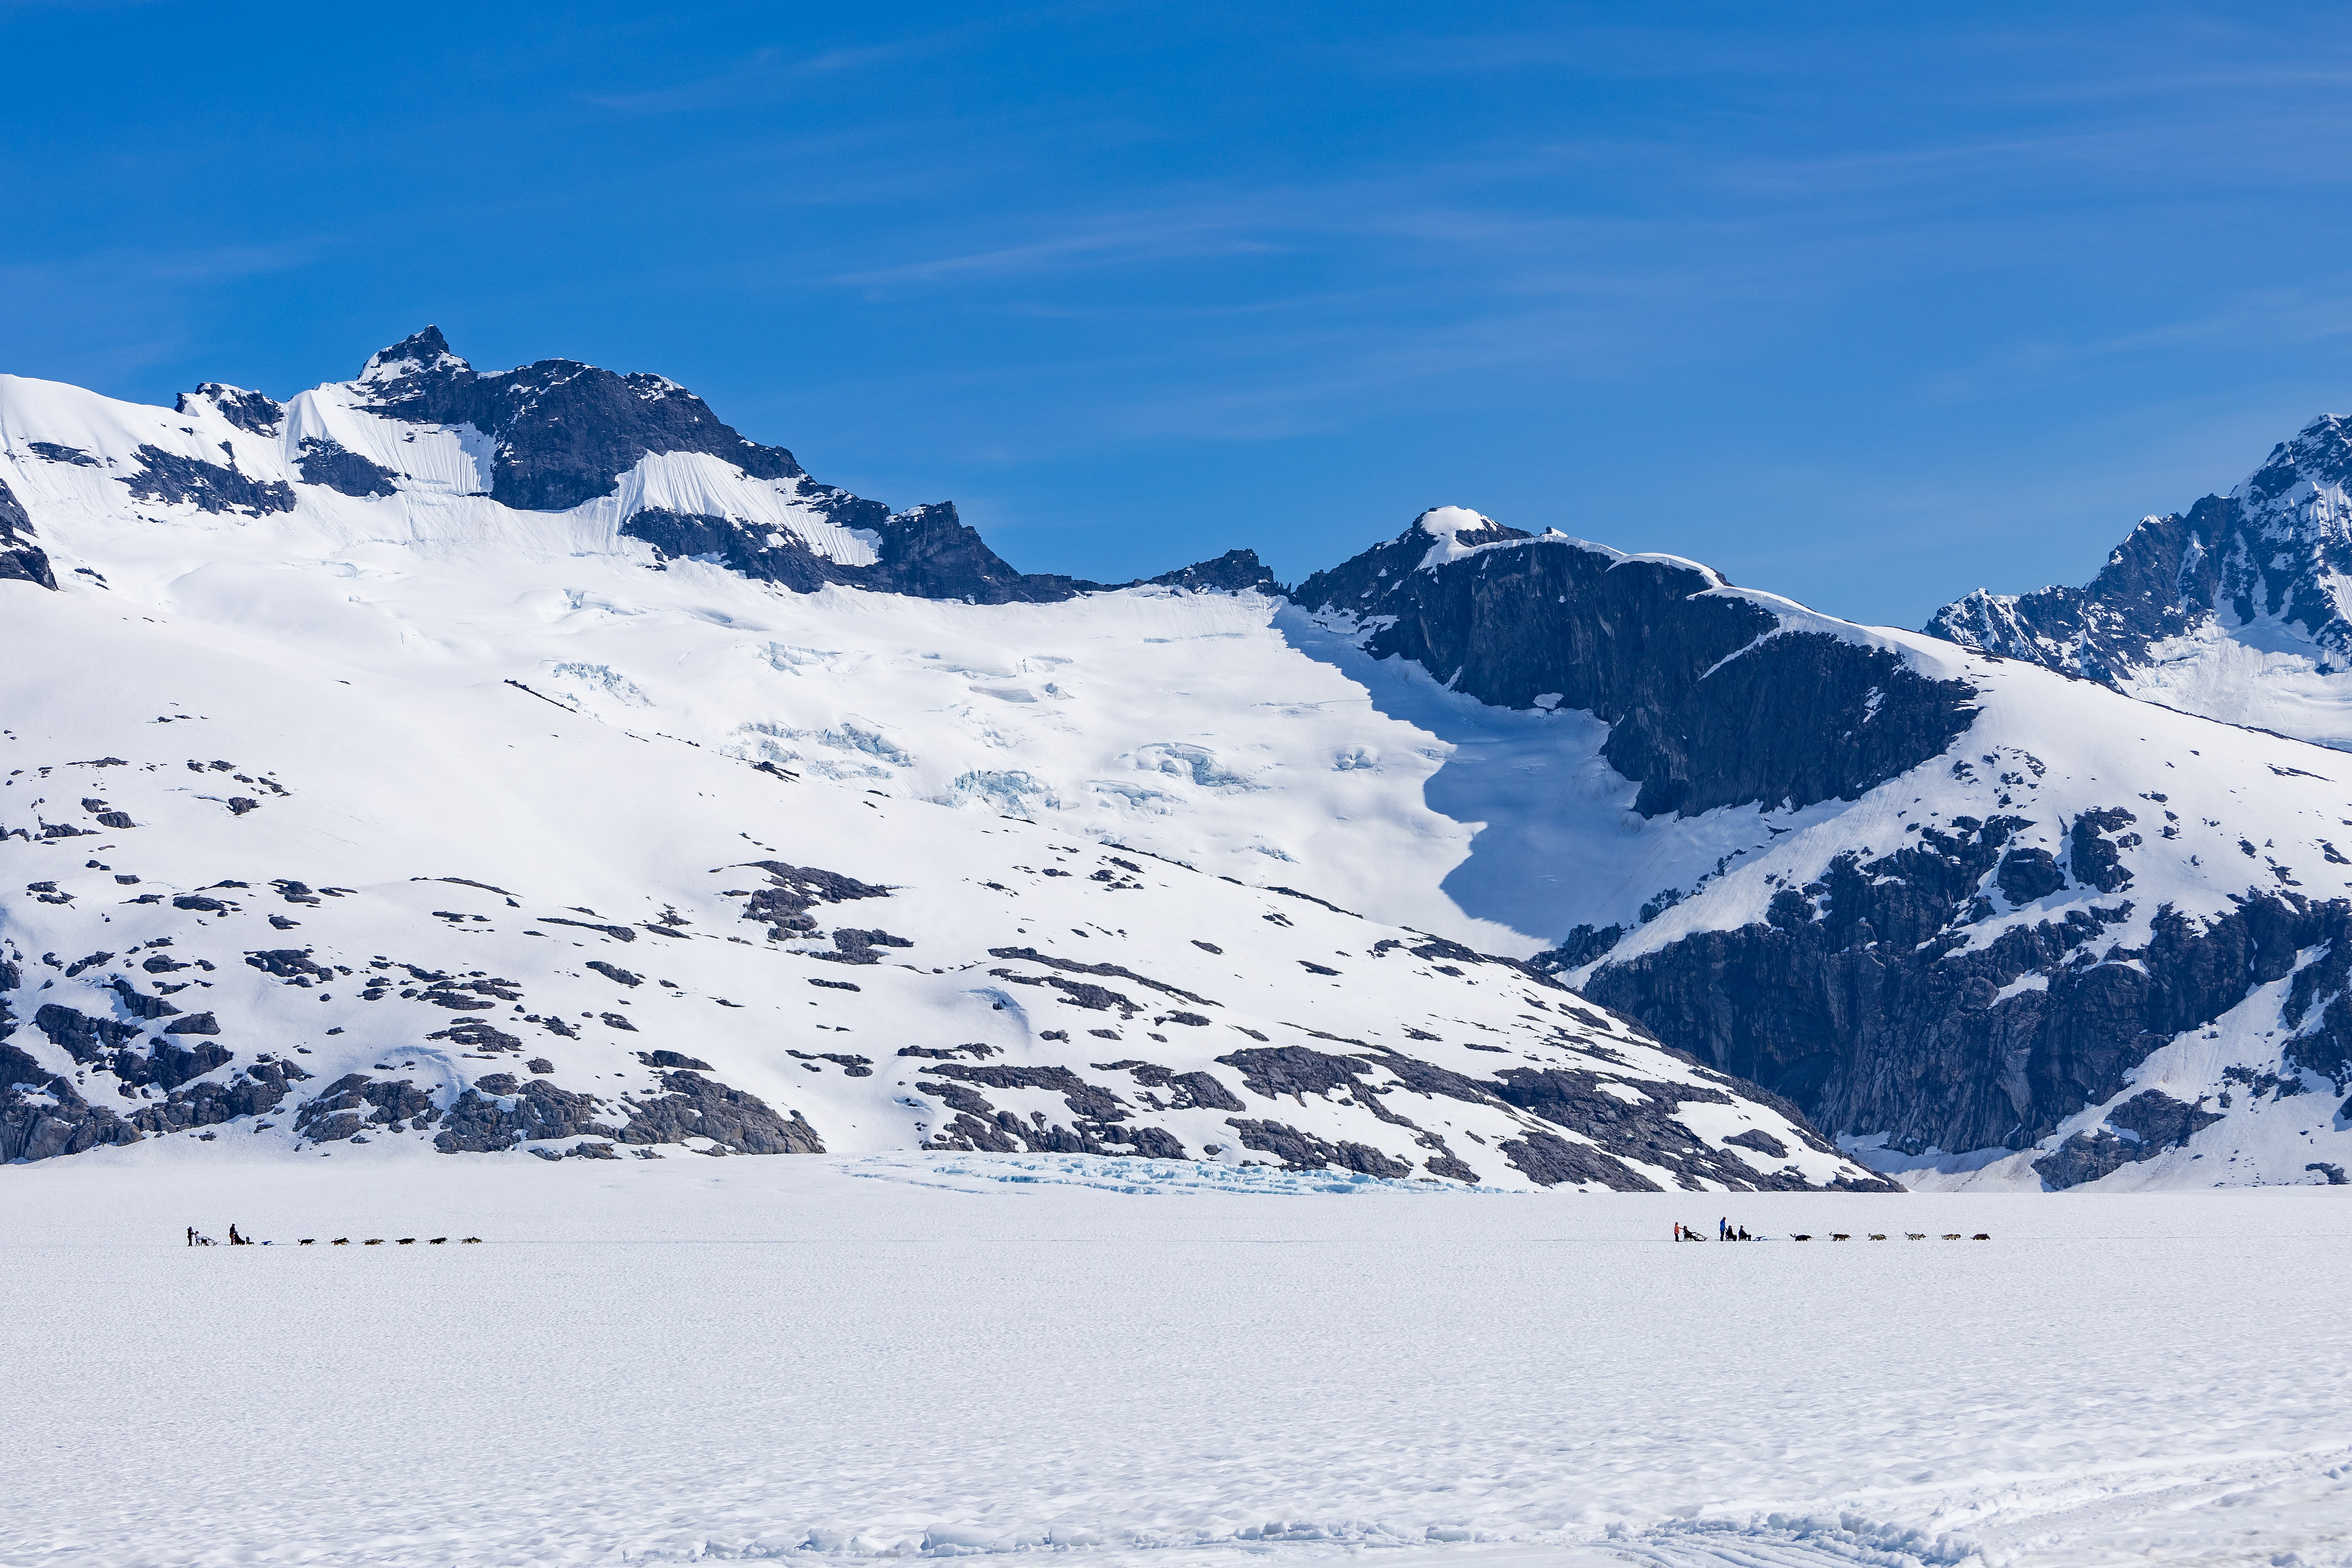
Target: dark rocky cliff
{"points": [[1860, 999], [566, 432], [1710, 700], [21, 560]]}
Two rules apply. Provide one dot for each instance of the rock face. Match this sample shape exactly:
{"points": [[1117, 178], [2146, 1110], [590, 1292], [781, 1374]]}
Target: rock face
{"points": [[1712, 698], [248, 411], [43, 1117], [1864, 1001], [171, 480], [925, 552], [566, 433], [2233, 608], [2141, 1128], [21, 560]]}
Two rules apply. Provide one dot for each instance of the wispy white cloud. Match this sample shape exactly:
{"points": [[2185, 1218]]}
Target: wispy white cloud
{"points": [[768, 72]]}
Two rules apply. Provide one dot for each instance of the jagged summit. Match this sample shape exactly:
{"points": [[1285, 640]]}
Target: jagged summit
{"points": [[416, 354], [565, 432], [2240, 608], [2320, 454]]}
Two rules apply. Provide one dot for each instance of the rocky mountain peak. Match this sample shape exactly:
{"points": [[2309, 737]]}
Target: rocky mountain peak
{"points": [[2319, 456], [248, 411], [2261, 568], [1455, 531], [416, 354]]}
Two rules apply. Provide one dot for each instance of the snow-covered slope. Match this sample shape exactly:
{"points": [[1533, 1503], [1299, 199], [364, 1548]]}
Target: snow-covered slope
{"points": [[285, 899], [1963, 910], [2240, 608], [416, 818]]}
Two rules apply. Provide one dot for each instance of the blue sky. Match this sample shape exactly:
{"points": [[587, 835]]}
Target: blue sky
{"points": [[1868, 305]]}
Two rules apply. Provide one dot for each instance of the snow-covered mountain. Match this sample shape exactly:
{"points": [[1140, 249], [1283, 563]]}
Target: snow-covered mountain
{"points": [[364, 813], [1189, 866], [1978, 917], [2240, 608]]}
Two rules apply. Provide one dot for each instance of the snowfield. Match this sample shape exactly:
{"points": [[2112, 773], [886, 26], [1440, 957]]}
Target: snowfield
{"points": [[835, 1359], [451, 921]]}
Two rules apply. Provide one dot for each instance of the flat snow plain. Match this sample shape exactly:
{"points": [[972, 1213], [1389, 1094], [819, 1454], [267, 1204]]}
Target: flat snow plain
{"points": [[828, 1359]]}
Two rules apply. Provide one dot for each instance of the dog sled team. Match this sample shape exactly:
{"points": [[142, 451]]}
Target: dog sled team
{"points": [[197, 1239], [1727, 1231]]}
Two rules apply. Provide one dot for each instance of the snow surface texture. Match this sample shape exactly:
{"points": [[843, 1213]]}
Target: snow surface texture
{"points": [[832, 1360], [382, 648]]}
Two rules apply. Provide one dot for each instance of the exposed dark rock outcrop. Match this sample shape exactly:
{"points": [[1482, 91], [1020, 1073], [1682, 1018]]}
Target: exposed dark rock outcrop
{"points": [[1235, 571], [1185, 1090], [855, 946], [210, 486], [1073, 967], [1300, 1151], [1644, 1130], [253, 1091], [329, 463], [356, 1101], [566, 432], [137, 1003], [1293, 1070], [167, 1064], [1709, 701], [89, 1041], [43, 1115], [1549, 1160], [2151, 1122], [476, 1123], [21, 560], [785, 903], [693, 1106], [287, 962], [250, 410], [924, 552], [669, 1059], [1862, 1001], [1098, 1118]]}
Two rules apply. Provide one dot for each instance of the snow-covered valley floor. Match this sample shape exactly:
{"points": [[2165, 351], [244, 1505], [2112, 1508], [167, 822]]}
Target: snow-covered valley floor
{"points": [[831, 1358]]}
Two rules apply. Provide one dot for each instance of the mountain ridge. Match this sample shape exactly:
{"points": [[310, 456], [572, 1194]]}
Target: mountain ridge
{"points": [[2235, 608], [1982, 922]]}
